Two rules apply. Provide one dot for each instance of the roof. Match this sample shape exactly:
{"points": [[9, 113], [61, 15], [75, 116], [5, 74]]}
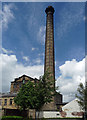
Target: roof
{"points": [[58, 93], [8, 95], [72, 106], [23, 77], [62, 103]]}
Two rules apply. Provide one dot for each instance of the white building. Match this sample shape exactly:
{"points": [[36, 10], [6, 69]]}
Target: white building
{"points": [[72, 109]]}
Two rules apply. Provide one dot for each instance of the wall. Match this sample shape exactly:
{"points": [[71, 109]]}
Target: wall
{"points": [[55, 114], [72, 109], [48, 114], [13, 106], [15, 112]]}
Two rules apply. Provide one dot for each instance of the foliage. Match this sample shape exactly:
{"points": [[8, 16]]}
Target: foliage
{"points": [[16, 118], [47, 87], [25, 94], [82, 96], [21, 118], [12, 117], [34, 95]]}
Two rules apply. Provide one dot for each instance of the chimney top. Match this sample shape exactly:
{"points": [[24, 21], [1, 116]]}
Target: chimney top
{"points": [[49, 9]]}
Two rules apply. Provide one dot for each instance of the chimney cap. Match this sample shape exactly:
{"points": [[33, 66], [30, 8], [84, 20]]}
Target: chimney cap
{"points": [[49, 9]]}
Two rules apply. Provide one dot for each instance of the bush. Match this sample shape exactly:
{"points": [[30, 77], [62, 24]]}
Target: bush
{"points": [[12, 118], [15, 118]]}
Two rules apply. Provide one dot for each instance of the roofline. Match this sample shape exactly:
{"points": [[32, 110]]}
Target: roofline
{"points": [[23, 76], [8, 95]]}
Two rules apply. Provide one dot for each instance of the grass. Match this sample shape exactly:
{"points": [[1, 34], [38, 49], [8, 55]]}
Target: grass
{"points": [[21, 118], [12, 117]]}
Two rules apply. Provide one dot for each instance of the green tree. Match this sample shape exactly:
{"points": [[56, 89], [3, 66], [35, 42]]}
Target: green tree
{"points": [[24, 98], [82, 96], [47, 86], [35, 95]]}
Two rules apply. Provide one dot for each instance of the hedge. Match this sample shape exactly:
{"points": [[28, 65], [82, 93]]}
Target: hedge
{"points": [[12, 118]]}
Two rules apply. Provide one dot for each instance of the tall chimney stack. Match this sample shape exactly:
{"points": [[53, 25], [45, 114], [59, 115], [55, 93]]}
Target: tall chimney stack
{"points": [[49, 52], [49, 43]]}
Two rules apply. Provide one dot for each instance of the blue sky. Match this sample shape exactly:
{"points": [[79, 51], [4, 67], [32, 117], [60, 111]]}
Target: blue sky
{"points": [[23, 36]]}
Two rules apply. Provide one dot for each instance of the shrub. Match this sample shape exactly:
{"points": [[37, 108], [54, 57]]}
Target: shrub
{"points": [[12, 118]]}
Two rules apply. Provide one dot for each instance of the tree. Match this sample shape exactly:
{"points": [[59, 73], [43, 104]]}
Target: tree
{"points": [[47, 87], [25, 97], [35, 95], [82, 96]]}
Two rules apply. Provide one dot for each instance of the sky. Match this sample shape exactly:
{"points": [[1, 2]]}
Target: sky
{"points": [[23, 43]]}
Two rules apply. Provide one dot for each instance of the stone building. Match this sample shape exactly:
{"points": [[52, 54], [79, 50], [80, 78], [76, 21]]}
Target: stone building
{"points": [[7, 99], [17, 83]]}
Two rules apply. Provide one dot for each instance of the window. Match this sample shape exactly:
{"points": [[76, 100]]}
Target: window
{"points": [[19, 85], [5, 102], [14, 86], [10, 101], [0, 101], [23, 81]]}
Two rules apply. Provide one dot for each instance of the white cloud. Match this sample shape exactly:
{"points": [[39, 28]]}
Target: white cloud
{"points": [[41, 34], [38, 61], [70, 16], [26, 58], [12, 69], [85, 18], [41, 54], [6, 51], [7, 14], [34, 49], [72, 73]]}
